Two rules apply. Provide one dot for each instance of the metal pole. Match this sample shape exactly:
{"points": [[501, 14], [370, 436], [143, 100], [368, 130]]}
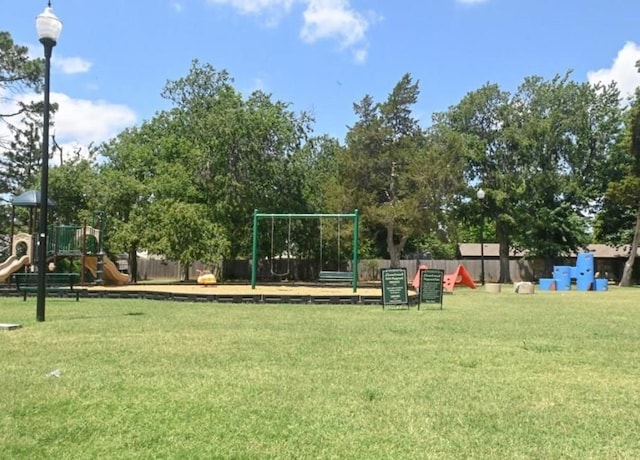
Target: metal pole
{"points": [[482, 250], [305, 216], [354, 269], [254, 250], [100, 254], [44, 184]]}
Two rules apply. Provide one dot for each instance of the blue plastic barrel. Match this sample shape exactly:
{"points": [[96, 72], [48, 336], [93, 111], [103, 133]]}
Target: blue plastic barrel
{"points": [[547, 284], [573, 273], [585, 276], [562, 276], [585, 259], [602, 284]]}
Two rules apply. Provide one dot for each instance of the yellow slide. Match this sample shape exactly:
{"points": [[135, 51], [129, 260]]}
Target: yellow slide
{"points": [[11, 265], [110, 273]]}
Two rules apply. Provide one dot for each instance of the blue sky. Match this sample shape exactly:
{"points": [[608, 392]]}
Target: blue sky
{"points": [[113, 58]]}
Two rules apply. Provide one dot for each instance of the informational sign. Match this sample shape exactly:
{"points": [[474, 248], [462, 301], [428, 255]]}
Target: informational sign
{"points": [[431, 287], [394, 287]]}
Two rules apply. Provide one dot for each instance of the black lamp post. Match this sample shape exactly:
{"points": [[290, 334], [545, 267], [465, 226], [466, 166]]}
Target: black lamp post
{"points": [[48, 27], [480, 196]]}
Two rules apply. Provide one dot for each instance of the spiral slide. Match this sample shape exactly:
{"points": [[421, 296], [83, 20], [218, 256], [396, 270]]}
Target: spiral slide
{"points": [[110, 273], [12, 265]]}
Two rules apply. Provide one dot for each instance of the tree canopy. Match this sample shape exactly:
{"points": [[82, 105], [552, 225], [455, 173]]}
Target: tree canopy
{"points": [[538, 154], [558, 160], [20, 147], [402, 177]]}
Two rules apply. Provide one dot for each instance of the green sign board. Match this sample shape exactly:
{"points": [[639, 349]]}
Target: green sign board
{"points": [[394, 287], [431, 286]]}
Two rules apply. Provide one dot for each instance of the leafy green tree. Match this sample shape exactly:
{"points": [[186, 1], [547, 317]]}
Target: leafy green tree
{"points": [[122, 192], [316, 167], [212, 159], [623, 194], [538, 155], [22, 159], [243, 149], [400, 177], [482, 115], [18, 74], [319, 167], [21, 146], [579, 125], [73, 188], [184, 232], [20, 151]]}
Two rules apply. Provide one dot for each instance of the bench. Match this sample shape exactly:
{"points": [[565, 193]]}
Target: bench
{"points": [[326, 276], [54, 282]]}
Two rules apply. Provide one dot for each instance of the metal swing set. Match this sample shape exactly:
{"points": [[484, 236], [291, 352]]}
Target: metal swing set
{"points": [[324, 275]]}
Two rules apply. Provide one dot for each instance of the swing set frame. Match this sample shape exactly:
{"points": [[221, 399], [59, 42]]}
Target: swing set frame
{"points": [[354, 259]]}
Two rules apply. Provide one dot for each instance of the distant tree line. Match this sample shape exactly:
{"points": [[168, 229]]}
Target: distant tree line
{"points": [[559, 161]]}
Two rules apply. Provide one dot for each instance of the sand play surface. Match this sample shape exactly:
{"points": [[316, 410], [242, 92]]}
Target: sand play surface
{"points": [[245, 289]]}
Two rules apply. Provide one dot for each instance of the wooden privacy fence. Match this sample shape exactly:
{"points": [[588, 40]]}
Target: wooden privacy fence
{"points": [[368, 269]]}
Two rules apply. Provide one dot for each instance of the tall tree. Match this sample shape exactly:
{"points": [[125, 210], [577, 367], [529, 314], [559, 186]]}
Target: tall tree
{"points": [[212, 158], [73, 186], [19, 149], [538, 155], [122, 191], [623, 194], [483, 114], [398, 175], [18, 139], [243, 148], [21, 160], [18, 74], [568, 135]]}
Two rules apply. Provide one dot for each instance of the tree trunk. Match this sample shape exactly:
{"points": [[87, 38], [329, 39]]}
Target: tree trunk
{"points": [[625, 281], [395, 250], [185, 273], [503, 240], [133, 264]]}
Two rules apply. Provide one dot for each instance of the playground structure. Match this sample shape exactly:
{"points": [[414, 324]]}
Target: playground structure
{"points": [[21, 255], [65, 242], [71, 242], [460, 277], [583, 273], [351, 276], [110, 272]]}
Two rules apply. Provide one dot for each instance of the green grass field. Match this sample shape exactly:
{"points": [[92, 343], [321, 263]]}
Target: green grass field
{"points": [[544, 376]]}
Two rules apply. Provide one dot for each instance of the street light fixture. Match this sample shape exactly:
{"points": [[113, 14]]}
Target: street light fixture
{"points": [[48, 27], [481, 196]]}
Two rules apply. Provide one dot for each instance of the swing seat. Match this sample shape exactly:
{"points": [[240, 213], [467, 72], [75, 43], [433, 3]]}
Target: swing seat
{"points": [[326, 276]]}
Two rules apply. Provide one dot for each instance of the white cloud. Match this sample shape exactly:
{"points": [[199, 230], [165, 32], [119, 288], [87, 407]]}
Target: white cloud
{"points": [[256, 6], [66, 65], [333, 18], [71, 65], [360, 55], [85, 121], [471, 2], [322, 20], [623, 70], [79, 122], [178, 6]]}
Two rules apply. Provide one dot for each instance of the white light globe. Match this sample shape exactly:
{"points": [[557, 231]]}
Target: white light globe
{"points": [[48, 25]]}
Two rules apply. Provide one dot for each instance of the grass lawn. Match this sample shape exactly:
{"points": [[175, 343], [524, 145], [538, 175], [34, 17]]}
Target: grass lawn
{"points": [[544, 376]]}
